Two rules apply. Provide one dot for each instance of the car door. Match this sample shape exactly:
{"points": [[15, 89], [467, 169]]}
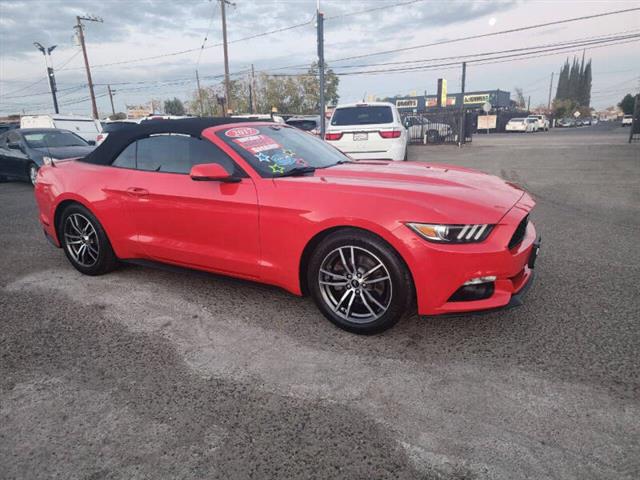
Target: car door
{"points": [[14, 158], [202, 224]]}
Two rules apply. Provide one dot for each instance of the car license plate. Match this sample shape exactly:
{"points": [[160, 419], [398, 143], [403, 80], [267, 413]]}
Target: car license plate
{"points": [[360, 136]]}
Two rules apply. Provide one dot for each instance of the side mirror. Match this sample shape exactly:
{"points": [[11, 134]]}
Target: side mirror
{"points": [[212, 172], [14, 146], [91, 142], [407, 123]]}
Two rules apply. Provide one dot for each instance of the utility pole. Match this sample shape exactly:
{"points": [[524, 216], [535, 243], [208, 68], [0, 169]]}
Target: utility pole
{"points": [[200, 94], [80, 29], [320, 23], [461, 134], [46, 52], [227, 86], [550, 91], [113, 110], [529, 104]]}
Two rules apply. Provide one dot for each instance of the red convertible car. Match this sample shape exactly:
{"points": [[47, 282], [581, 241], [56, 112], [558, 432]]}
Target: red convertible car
{"points": [[368, 240]]}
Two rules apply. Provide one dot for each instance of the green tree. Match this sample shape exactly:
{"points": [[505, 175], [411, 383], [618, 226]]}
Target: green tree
{"points": [[564, 108], [174, 107], [118, 116], [520, 100], [627, 104]]}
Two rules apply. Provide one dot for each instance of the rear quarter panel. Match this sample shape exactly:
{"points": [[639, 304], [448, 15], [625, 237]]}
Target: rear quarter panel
{"points": [[95, 187]]}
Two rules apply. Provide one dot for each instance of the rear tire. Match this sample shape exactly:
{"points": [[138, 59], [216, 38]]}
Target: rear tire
{"points": [[85, 242], [433, 136], [359, 282]]}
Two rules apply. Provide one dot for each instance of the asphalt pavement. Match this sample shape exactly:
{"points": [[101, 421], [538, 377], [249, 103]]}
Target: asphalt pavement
{"points": [[145, 373]]}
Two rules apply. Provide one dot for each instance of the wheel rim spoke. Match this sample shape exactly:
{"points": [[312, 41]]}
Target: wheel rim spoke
{"points": [[365, 275], [349, 286], [366, 304], [334, 275], [344, 261]]}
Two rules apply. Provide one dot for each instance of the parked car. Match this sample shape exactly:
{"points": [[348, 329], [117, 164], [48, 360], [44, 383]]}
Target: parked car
{"points": [[627, 120], [524, 125], [542, 122], [23, 150], [579, 122], [368, 131], [586, 121], [267, 202], [4, 127], [426, 131], [109, 127], [263, 117], [309, 124], [566, 123], [86, 127]]}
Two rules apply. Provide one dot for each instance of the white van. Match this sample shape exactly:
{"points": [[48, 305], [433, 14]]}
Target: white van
{"points": [[86, 127]]}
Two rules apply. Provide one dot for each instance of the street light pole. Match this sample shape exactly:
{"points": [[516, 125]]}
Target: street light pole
{"points": [[227, 85], [51, 79], [320, 34], [80, 29]]}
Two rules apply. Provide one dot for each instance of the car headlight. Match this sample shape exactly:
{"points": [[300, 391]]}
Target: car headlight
{"points": [[470, 233]]}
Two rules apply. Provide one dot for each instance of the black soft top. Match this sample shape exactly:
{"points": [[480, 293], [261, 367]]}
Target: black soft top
{"points": [[117, 141]]}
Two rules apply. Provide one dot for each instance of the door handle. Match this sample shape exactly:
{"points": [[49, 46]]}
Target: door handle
{"points": [[137, 192]]}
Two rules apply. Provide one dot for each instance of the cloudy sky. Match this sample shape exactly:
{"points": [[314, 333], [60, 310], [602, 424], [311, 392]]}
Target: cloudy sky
{"points": [[173, 31]]}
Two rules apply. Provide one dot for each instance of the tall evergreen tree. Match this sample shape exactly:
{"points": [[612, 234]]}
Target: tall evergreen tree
{"points": [[586, 85], [574, 82], [563, 81]]}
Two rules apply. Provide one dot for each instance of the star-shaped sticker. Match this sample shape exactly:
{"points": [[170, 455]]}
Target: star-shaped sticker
{"points": [[275, 168], [288, 153], [262, 157]]}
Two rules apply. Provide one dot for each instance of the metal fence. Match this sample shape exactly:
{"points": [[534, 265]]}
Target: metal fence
{"points": [[436, 128]]}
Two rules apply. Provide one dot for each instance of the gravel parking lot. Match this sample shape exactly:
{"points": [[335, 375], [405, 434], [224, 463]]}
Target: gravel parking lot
{"points": [[145, 373]]}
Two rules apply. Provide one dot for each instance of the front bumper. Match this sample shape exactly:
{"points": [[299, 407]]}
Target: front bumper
{"points": [[439, 270]]}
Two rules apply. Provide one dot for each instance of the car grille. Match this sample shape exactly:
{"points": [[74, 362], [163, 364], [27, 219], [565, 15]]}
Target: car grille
{"points": [[518, 235]]}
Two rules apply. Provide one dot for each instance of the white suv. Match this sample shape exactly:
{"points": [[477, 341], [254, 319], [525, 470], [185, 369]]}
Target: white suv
{"points": [[372, 131], [542, 122]]}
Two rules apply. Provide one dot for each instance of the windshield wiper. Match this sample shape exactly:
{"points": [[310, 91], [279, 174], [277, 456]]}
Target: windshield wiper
{"points": [[339, 162], [296, 171]]}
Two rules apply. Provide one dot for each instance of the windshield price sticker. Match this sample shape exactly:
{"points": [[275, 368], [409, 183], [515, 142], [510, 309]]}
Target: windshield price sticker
{"points": [[241, 132], [257, 143]]}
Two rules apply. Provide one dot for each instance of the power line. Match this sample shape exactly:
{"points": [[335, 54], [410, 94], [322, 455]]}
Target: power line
{"points": [[484, 35], [369, 10], [191, 50]]}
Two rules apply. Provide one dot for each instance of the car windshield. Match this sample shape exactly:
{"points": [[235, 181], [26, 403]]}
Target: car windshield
{"points": [[53, 138], [362, 115], [275, 150]]}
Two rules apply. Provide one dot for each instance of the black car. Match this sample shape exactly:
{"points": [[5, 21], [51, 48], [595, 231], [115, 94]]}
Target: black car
{"points": [[22, 150], [4, 127]]}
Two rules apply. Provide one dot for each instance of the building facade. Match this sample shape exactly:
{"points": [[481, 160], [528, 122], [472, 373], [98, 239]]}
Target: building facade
{"points": [[499, 100]]}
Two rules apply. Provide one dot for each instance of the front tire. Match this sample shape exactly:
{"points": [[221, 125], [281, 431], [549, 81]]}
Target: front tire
{"points": [[85, 242], [359, 282]]}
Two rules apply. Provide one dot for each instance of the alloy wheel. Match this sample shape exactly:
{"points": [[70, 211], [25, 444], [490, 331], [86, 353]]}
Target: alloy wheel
{"points": [[81, 240], [355, 284]]}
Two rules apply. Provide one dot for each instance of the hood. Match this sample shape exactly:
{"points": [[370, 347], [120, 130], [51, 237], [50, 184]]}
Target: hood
{"points": [[451, 194], [65, 152]]}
